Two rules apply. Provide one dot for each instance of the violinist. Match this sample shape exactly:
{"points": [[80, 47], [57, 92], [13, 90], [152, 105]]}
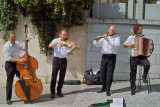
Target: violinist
{"points": [[11, 53], [109, 43], [61, 51]]}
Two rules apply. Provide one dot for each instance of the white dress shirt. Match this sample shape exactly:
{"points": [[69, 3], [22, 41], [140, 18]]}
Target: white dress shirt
{"points": [[60, 51], [12, 51], [110, 47], [129, 40]]}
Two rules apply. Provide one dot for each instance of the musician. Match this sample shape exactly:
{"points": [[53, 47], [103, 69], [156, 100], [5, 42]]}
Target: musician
{"points": [[11, 53], [61, 52], [135, 61], [109, 43]]}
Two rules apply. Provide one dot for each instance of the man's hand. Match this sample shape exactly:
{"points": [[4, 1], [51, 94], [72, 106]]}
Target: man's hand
{"points": [[131, 45], [61, 43], [74, 47], [151, 47], [105, 37], [21, 60], [27, 39], [98, 37]]}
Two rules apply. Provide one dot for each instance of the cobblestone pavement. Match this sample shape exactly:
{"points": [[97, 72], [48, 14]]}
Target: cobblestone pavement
{"points": [[83, 96]]}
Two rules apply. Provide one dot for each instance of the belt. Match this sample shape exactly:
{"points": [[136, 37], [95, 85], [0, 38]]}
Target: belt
{"points": [[109, 54], [11, 62], [60, 58]]}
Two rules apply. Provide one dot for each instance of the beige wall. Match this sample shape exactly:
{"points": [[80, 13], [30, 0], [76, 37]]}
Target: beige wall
{"points": [[2, 71], [76, 62]]}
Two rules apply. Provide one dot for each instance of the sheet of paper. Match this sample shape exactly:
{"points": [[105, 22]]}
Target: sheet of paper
{"points": [[111, 104], [117, 102]]}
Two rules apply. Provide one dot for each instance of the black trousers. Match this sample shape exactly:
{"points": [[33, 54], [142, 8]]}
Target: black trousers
{"points": [[58, 64], [134, 62], [108, 63], [11, 70]]}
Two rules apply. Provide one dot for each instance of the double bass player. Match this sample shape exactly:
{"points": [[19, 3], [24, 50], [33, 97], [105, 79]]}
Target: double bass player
{"points": [[11, 53]]}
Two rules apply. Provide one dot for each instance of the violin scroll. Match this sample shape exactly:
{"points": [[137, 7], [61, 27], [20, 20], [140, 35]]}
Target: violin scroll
{"points": [[25, 25]]}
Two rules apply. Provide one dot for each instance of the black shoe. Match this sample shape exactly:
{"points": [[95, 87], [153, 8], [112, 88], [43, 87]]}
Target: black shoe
{"points": [[108, 93], [60, 94], [101, 90], [144, 79], [52, 95], [9, 102], [132, 92]]}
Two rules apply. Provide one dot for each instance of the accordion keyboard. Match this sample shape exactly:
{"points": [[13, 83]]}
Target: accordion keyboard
{"points": [[134, 50]]}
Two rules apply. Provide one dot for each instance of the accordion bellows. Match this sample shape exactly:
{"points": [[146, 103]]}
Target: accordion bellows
{"points": [[142, 47]]}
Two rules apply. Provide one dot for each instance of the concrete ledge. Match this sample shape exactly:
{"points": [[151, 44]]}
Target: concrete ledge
{"points": [[148, 22], [123, 21]]}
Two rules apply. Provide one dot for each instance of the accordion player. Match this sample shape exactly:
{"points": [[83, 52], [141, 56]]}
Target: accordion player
{"points": [[141, 47]]}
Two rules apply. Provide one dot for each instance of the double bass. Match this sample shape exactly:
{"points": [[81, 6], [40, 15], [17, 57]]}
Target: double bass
{"points": [[28, 87]]}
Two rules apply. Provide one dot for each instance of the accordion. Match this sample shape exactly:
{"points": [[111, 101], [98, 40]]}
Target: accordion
{"points": [[142, 47]]}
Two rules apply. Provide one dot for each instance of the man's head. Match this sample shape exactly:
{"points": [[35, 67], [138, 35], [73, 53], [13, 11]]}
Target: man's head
{"points": [[111, 30], [11, 37], [63, 34], [138, 29]]}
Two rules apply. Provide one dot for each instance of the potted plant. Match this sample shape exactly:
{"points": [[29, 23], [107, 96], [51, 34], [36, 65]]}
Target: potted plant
{"points": [[87, 6]]}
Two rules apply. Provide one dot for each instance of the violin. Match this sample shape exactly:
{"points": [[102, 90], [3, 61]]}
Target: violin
{"points": [[28, 87], [69, 44]]}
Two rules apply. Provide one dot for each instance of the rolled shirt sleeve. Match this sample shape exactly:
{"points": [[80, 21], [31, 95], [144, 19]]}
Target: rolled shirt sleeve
{"points": [[99, 43], [129, 40], [68, 49], [7, 53]]}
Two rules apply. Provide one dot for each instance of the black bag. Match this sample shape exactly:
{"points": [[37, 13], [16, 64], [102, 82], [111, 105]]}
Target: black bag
{"points": [[92, 79]]}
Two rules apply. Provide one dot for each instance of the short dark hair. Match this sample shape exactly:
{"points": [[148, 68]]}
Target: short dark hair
{"points": [[135, 28], [9, 32], [65, 30]]}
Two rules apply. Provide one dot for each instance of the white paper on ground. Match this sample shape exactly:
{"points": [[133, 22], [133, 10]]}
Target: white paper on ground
{"points": [[117, 102]]}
